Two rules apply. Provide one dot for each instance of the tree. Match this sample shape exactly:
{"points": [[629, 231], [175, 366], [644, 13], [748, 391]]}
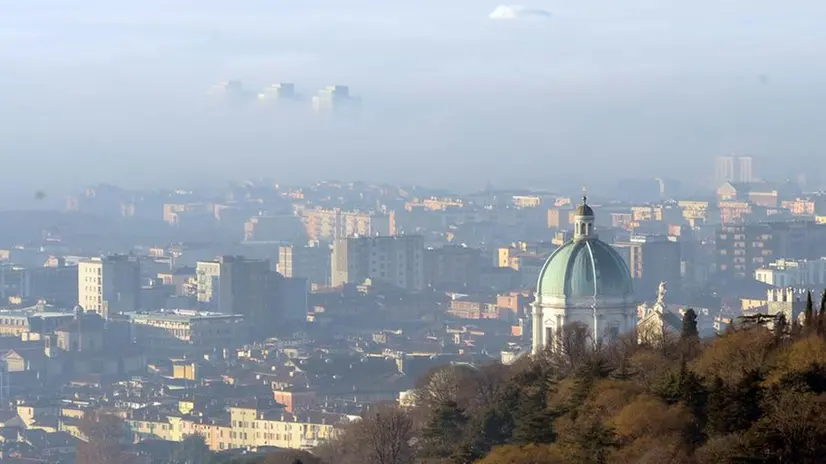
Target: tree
{"points": [[821, 316], [689, 335], [781, 326], [288, 457], [192, 450], [385, 434], [103, 439], [443, 431], [528, 454], [689, 330], [809, 317], [733, 409]]}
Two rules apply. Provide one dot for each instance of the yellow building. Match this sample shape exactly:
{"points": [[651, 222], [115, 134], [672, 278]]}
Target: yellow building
{"points": [[321, 223], [187, 370], [526, 201], [249, 427]]}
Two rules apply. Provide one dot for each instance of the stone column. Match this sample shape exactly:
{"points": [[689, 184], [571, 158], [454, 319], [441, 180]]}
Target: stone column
{"points": [[537, 342]]}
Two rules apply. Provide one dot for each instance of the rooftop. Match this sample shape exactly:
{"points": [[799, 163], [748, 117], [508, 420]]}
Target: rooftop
{"points": [[179, 315]]}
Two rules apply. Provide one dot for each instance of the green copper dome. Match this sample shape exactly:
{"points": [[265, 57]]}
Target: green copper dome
{"points": [[584, 268]]}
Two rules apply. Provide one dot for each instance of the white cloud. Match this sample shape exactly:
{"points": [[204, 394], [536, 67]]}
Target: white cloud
{"points": [[518, 12]]}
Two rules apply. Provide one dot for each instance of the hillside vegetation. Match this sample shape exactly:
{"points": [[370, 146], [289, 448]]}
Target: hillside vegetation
{"points": [[755, 394]]}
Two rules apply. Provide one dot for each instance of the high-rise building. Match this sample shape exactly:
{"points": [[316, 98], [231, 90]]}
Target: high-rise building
{"points": [[453, 266], [745, 173], [334, 99], [744, 248], [276, 92], [109, 285], [232, 284], [308, 262], [275, 228], [653, 259], [734, 169], [328, 224], [398, 260]]}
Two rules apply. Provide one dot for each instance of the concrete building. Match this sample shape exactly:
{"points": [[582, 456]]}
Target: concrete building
{"points": [[744, 248], [453, 266], [309, 262], [328, 224], [335, 99], [734, 169], [109, 285], [232, 284], [802, 273], [184, 330], [275, 228], [653, 259], [278, 92], [398, 260]]}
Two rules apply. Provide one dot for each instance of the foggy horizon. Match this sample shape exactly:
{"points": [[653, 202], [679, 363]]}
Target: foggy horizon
{"points": [[95, 92]]}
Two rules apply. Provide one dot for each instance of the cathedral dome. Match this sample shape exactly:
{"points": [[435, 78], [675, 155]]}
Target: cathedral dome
{"points": [[584, 269]]}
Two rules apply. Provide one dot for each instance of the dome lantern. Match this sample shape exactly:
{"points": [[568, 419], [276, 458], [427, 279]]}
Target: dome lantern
{"points": [[584, 221]]}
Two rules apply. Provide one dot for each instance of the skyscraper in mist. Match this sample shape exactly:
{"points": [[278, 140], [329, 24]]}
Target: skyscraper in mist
{"points": [[334, 99], [276, 92], [734, 169]]}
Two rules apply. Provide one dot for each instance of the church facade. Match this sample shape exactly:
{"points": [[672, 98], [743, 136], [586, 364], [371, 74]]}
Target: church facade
{"points": [[585, 281]]}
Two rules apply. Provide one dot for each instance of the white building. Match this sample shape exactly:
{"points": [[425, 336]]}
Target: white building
{"points": [[793, 273], [276, 92], [334, 99], [585, 281], [109, 285]]}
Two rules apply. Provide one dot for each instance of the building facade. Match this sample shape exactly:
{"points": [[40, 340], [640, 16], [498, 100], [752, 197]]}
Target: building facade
{"points": [[109, 285], [309, 262], [397, 260], [653, 259], [329, 224]]}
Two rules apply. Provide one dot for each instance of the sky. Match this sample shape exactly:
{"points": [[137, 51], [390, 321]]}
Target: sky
{"points": [[585, 92]]}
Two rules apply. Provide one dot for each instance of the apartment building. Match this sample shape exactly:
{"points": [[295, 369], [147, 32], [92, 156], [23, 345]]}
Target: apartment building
{"points": [[398, 260], [308, 262], [178, 330], [250, 426], [744, 248], [109, 285], [328, 224], [802, 273]]}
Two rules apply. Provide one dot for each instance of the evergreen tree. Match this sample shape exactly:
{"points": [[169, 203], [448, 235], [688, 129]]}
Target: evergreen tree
{"points": [[689, 330], [443, 432], [192, 450], [809, 317], [821, 316], [734, 409], [780, 328], [694, 397]]}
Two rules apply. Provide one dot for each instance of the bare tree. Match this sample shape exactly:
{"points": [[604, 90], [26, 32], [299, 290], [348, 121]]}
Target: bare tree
{"points": [[382, 436], [386, 433], [574, 345], [104, 436]]}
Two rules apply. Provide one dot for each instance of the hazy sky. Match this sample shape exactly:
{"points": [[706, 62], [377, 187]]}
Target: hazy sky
{"points": [[94, 90]]}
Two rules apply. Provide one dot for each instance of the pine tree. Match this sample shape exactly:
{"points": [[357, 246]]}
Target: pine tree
{"points": [[694, 396], [443, 432], [809, 318], [689, 335], [821, 316], [689, 329], [780, 328]]}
